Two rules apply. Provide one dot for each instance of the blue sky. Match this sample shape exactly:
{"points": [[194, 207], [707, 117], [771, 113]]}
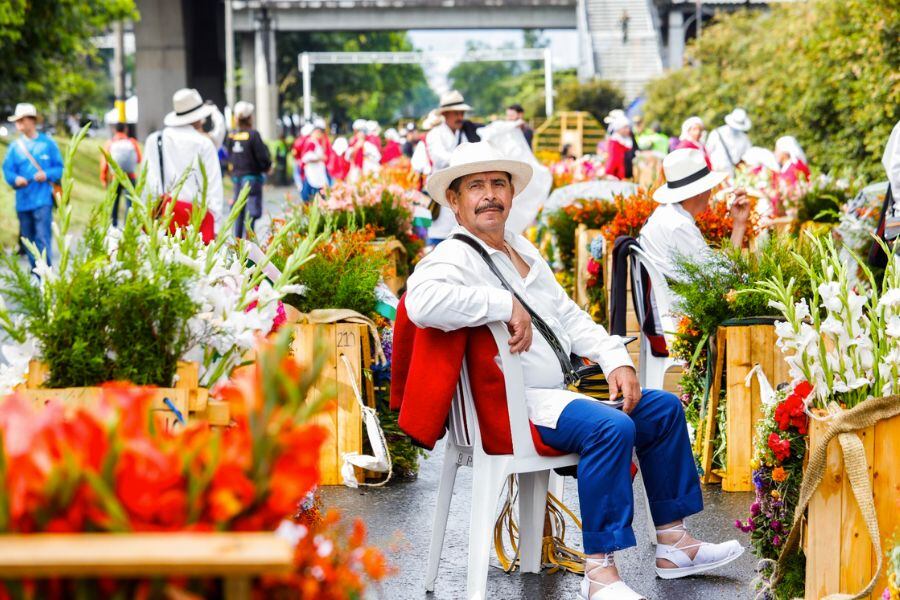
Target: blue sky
{"points": [[563, 43]]}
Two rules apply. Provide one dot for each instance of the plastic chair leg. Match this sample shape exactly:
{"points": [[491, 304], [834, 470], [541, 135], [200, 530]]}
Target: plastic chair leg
{"points": [[441, 512], [487, 481], [557, 485], [532, 508]]}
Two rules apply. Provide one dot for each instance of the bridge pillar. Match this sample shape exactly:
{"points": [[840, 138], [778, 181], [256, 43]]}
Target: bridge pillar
{"points": [[160, 60], [247, 81], [676, 38], [265, 84]]}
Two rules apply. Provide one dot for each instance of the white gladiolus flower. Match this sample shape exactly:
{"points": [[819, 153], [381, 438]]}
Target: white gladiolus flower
{"points": [[890, 298], [892, 326], [829, 292]]}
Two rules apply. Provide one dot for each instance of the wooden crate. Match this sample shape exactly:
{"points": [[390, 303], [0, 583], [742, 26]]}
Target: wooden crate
{"points": [[235, 557], [343, 418], [580, 130], [647, 170], [839, 555], [739, 349], [187, 397], [397, 269]]}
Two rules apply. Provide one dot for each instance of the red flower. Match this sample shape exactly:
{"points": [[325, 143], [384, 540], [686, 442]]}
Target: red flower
{"points": [[803, 389], [780, 447], [230, 494], [151, 486], [792, 411]]}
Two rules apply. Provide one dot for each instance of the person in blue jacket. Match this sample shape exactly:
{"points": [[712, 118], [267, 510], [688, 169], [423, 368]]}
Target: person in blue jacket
{"points": [[33, 164]]}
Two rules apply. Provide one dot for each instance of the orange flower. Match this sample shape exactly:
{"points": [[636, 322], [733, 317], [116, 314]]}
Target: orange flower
{"points": [[151, 486], [230, 494], [779, 474]]}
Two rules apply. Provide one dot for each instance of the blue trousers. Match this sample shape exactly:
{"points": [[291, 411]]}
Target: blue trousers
{"points": [[35, 225], [604, 438]]}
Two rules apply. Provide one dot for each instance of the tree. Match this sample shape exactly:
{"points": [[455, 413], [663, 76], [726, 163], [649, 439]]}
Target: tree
{"points": [[49, 59], [822, 71], [347, 92], [485, 85]]}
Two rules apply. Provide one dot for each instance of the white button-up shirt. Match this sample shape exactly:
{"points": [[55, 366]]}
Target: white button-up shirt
{"points": [[726, 147], [441, 142], [671, 232], [452, 287], [183, 147]]}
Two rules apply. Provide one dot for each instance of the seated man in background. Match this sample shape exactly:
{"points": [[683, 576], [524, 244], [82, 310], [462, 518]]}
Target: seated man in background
{"points": [[453, 287], [671, 231]]}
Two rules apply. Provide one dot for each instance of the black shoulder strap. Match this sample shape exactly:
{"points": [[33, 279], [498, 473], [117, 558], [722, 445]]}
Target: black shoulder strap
{"points": [[725, 146], [543, 328], [162, 170]]}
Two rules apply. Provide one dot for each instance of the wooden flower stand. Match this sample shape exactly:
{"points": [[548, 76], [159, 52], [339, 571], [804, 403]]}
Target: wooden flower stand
{"points": [[235, 557], [739, 348], [839, 555], [343, 417], [187, 397]]}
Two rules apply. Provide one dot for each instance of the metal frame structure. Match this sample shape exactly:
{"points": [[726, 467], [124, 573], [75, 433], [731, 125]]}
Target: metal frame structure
{"points": [[308, 60]]}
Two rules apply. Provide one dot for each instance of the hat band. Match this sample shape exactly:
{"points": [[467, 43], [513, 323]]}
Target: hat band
{"points": [[452, 104], [188, 111], [689, 179]]}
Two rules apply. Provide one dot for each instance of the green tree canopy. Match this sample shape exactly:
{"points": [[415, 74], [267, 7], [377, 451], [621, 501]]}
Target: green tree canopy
{"points": [[49, 59], [347, 92], [825, 72]]}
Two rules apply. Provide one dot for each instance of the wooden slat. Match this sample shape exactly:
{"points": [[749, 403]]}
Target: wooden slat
{"points": [[823, 557], [706, 442], [738, 425], [143, 555], [886, 486], [349, 415], [856, 566]]}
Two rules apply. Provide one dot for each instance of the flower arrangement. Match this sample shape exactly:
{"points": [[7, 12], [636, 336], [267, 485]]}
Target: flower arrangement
{"points": [[569, 171], [822, 198], [631, 214], [892, 591], [777, 474], [563, 223], [843, 338], [128, 304]]}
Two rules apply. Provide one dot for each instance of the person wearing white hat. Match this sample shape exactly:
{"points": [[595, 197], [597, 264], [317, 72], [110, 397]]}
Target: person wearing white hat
{"points": [[441, 140], [792, 160], [691, 137], [314, 157], [727, 144], [249, 160], [671, 231], [618, 146], [458, 285], [392, 146], [32, 165], [178, 149]]}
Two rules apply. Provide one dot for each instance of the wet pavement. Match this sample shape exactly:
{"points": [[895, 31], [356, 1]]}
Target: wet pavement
{"points": [[400, 517]]}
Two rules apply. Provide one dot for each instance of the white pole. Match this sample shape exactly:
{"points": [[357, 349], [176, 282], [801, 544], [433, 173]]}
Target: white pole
{"points": [[307, 86], [229, 57], [548, 82]]}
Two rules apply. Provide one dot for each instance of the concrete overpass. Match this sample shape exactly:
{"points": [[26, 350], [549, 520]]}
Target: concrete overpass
{"points": [[182, 42]]}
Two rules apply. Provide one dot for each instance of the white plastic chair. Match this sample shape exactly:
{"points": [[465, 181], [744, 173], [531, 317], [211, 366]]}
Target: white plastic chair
{"points": [[652, 371], [489, 474], [464, 448]]}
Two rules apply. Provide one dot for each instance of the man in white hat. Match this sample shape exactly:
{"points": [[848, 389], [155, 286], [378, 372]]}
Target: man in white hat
{"points": [[441, 141], [671, 231], [453, 287], [180, 147], [314, 157], [727, 144], [32, 165], [249, 160]]}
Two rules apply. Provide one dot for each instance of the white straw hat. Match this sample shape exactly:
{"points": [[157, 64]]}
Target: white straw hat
{"points": [[23, 109], [738, 119], [359, 125], [243, 109], [188, 107], [453, 100], [478, 157], [686, 176]]}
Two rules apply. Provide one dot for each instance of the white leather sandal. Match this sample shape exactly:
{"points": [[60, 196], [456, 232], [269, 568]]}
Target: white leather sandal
{"points": [[709, 556], [608, 591]]}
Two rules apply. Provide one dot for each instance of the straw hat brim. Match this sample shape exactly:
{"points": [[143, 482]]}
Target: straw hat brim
{"points": [[198, 114], [739, 125], [439, 182], [667, 195], [453, 107]]}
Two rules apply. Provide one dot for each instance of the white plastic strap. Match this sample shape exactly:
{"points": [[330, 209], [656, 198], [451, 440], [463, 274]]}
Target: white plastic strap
{"points": [[381, 461]]}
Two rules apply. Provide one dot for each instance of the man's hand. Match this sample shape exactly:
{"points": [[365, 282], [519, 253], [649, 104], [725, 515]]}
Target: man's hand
{"points": [[740, 207], [519, 328], [21, 181], [40, 177], [624, 380]]}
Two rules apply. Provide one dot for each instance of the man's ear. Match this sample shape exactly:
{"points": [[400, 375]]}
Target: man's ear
{"points": [[453, 199]]}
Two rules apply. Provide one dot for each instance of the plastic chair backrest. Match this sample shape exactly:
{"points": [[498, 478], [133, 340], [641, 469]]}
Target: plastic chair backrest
{"points": [[662, 295]]}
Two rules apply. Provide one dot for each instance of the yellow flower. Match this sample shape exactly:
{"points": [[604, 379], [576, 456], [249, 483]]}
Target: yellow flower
{"points": [[731, 296], [754, 463], [776, 494]]}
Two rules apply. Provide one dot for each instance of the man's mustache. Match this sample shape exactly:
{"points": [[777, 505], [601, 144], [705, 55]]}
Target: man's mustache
{"points": [[489, 205]]}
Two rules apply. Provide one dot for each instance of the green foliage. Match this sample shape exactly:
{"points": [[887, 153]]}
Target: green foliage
{"points": [[562, 223], [43, 40], [824, 200], [342, 274], [723, 287], [111, 311], [823, 71], [346, 92], [597, 97]]}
